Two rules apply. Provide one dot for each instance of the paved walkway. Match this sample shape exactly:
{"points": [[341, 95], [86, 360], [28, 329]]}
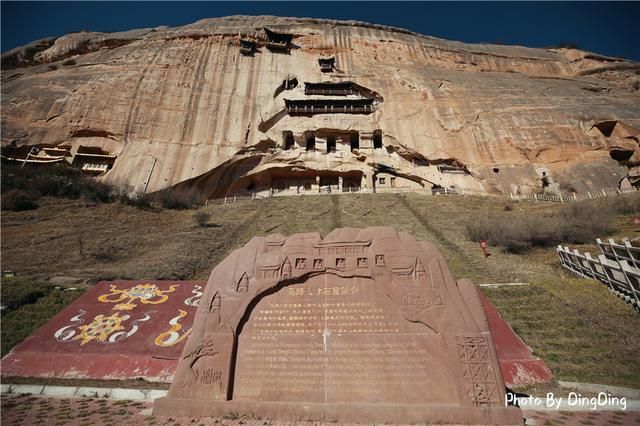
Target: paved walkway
{"points": [[22, 409]]}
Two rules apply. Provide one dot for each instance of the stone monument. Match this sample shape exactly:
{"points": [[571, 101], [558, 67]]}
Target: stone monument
{"points": [[365, 325]]}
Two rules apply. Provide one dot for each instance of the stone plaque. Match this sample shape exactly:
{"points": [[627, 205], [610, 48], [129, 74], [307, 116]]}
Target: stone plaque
{"points": [[363, 325]]}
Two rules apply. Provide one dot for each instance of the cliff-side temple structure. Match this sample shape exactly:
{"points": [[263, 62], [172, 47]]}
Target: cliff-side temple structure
{"points": [[244, 105], [363, 325]]}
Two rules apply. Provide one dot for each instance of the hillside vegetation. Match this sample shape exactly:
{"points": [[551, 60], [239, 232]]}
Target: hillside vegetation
{"points": [[582, 331]]}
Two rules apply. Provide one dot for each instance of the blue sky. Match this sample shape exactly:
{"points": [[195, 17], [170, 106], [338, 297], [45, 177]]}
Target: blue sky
{"points": [[609, 28]]}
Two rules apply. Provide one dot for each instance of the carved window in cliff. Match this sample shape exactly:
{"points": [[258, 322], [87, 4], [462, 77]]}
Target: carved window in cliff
{"points": [[331, 143], [311, 141], [327, 64], [354, 140], [377, 139], [287, 139], [329, 106]]}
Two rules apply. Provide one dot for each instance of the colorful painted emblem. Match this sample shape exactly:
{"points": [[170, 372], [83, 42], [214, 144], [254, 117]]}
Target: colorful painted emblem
{"points": [[103, 328], [172, 336], [100, 328], [145, 293]]}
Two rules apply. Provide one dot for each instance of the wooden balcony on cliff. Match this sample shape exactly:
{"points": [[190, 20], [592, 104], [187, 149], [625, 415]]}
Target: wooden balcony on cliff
{"points": [[278, 42], [247, 47], [330, 89], [329, 106], [93, 160], [450, 168], [35, 154]]}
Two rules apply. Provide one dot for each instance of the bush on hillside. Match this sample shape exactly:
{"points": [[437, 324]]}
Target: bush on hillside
{"points": [[55, 181], [178, 199], [576, 223], [18, 200]]}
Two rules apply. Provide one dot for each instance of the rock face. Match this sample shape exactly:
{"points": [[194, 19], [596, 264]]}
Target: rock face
{"points": [[185, 106], [365, 325]]}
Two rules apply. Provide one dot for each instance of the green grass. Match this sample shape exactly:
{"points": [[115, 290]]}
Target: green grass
{"points": [[30, 304]]}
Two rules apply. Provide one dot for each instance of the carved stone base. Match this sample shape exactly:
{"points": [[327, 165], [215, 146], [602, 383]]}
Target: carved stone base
{"points": [[345, 413]]}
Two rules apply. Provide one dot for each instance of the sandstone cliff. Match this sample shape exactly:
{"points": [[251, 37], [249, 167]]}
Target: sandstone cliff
{"points": [[184, 106]]}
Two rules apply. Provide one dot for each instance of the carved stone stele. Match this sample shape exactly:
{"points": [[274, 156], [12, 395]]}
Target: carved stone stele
{"points": [[365, 325]]}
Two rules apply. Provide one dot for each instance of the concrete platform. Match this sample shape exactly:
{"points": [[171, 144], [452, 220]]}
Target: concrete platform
{"points": [[117, 330], [130, 329]]}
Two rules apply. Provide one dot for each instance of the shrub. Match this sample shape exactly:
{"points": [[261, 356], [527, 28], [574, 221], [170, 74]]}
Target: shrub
{"points": [[627, 204], [136, 200], [69, 62], [178, 199], [18, 200], [98, 191], [202, 218]]}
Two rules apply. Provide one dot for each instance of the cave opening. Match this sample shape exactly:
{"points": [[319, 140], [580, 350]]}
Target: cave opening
{"points": [[545, 181], [354, 141], [311, 141], [331, 143], [621, 155], [606, 127], [288, 140], [377, 139]]}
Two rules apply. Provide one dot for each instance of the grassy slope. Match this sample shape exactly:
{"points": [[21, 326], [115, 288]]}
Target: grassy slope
{"points": [[583, 332]]}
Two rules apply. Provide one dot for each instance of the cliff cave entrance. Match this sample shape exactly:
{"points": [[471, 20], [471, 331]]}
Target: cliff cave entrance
{"points": [[377, 139], [621, 155], [287, 139], [331, 143], [311, 141], [354, 141], [606, 127]]}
